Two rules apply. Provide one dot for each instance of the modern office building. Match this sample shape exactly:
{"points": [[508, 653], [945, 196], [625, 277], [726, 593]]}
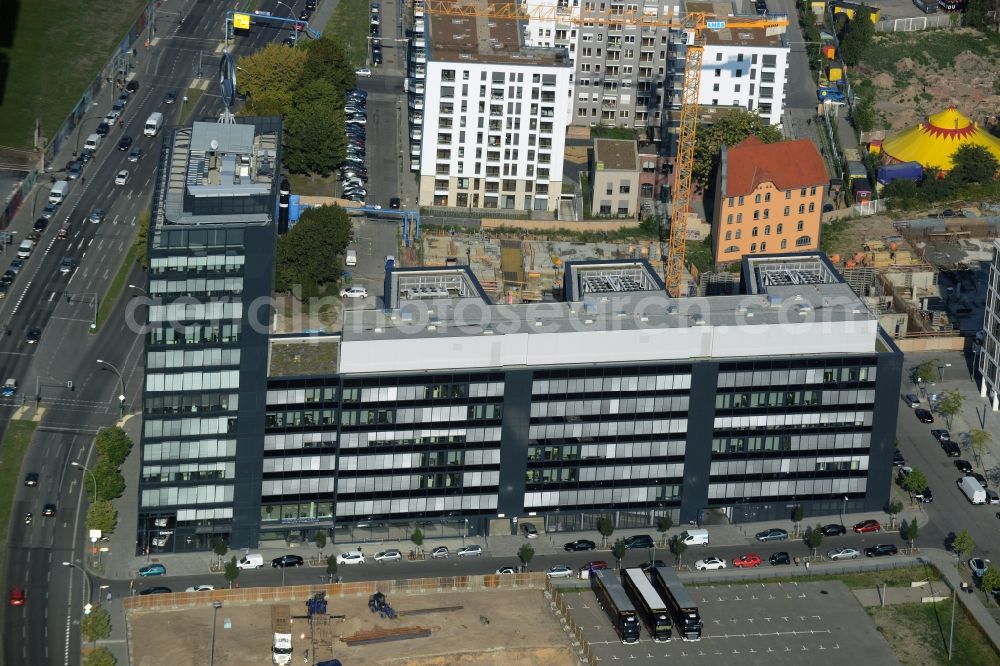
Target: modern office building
{"points": [[768, 199], [988, 342], [443, 407], [494, 124], [746, 68], [211, 253]]}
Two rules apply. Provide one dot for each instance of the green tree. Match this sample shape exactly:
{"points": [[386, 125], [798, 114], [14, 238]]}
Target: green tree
{"points": [[96, 626], [663, 525], [618, 550], [797, 513], [525, 553], [991, 581], [814, 539], [903, 195], [677, 547], [973, 164], [926, 371], [910, 531], [321, 540], [110, 482], [963, 544], [606, 527], [417, 537], [913, 482], [102, 515], [309, 256], [977, 14], [856, 43], [270, 78], [232, 571], [312, 144], [979, 442], [220, 547], [950, 405], [331, 566], [113, 445], [99, 656], [893, 507], [327, 61], [729, 129]]}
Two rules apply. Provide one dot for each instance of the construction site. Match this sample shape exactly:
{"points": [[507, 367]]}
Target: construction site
{"points": [[476, 627]]}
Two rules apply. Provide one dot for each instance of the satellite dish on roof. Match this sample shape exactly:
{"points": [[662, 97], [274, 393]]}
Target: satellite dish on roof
{"points": [[214, 144]]}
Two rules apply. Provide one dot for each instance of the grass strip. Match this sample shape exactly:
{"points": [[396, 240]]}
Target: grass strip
{"points": [[115, 288], [15, 443], [193, 95], [349, 26]]}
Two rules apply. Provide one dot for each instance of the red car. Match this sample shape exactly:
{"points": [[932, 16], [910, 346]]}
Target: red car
{"points": [[16, 597], [867, 526], [747, 561], [596, 565]]}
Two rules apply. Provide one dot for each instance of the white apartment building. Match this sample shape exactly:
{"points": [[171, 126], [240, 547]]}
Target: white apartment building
{"points": [[987, 347], [745, 67], [494, 124]]}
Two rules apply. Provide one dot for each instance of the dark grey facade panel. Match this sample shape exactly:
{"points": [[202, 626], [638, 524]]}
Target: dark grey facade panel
{"points": [[698, 452], [514, 442]]}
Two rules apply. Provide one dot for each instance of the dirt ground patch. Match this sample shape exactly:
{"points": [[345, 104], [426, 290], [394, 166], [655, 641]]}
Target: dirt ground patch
{"points": [[521, 630], [918, 635]]}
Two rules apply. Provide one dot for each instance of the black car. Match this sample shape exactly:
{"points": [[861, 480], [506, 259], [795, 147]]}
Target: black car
{"points": [[639, 541], [394, 202], [74, 169], [881, 549], [649, 566], [780, 558], [924, 496], [40, 224], [377, 57], [941, 435], [49, 510], [156, 590], [8, 277], [103, 129], [580, 544], [980, 478], [760, 6], [963, 466], [49, 211], [132, 86], [833, 530], [170, 97], [125, 143], [287, 561], [951, 449], [85, 156], [31, 479], [33, 336], [924, 416], [897, 459]]}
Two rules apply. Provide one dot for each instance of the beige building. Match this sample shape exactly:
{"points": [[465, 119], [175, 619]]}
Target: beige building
{"points": [[614, 176]]}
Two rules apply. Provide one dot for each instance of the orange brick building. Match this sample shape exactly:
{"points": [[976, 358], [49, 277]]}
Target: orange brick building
{"points": [[768, 199]]}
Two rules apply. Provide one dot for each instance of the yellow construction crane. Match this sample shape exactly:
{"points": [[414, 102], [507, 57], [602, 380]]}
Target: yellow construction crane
{"points": [[695, 23]]}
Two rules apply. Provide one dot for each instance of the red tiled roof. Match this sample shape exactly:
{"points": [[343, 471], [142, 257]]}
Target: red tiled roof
{"points": [[787, 164]]}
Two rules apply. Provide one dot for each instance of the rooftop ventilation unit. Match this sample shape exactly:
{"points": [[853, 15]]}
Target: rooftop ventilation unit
{"points": [[697, 320]]}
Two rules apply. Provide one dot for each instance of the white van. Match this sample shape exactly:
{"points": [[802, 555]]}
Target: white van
{"points": [[351, 258], [973, 491], [153, 124], [59, 192], [694, 537], [251, 561], [24, 251], [92, 141]]}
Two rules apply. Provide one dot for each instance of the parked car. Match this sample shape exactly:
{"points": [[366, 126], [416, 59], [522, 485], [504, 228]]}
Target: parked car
{"points": [[74, 169], [951, 449], [594, 565], [979, 565], [833, 529], [502, 571], [132, 86], [866, 526], [924, 496], [354, 292], [530, 531], [710, 564], [897, 458], [773, 534], [639, 541], [391, 555], [580, 544], [49, 211], [941, 435], [559, 571], [779, 558], [747, 561], [924, 416], [40, 224], [394, 202], [881, 549], [159, 589], [472, 550], [979, 477], [440, 553], [649, 566], [843, 554], [200, 588], [153, 570], [363, 71], [287, 561], [103, 129], [912, 400], [992, 497], [351, 557]]}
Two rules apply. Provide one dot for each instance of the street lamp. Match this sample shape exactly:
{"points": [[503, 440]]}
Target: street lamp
{"points": [[121, 396], [87, 586], [941, 371], [137, 287], [216, 605], [843, 508], [93, 477], [291, 17]]}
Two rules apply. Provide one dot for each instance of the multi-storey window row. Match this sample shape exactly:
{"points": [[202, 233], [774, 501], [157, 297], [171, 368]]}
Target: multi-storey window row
{"points": [[723, 447], [818, 372], [180, 495], [295, 441], [782, 491], [420, 460], [194, 358], [169, 334], [601, 498], [187, 266], [188, 450], [201, 471], [735, 402], [439, 437], [186, 403], [414, 507], [201, 286]]}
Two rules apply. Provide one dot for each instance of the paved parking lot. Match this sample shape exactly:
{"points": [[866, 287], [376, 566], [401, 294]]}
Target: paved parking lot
{"points": [[770, 624], [373, 240]]}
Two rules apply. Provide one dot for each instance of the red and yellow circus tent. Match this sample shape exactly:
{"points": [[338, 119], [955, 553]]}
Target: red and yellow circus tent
{"points": [[934, 142]]}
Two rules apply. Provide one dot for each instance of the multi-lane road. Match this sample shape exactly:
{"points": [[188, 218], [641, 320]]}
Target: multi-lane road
{"points": [[63, 307]]}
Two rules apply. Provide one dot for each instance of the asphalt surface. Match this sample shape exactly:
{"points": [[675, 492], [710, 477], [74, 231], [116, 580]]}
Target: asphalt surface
{"points": [[62, 306]]}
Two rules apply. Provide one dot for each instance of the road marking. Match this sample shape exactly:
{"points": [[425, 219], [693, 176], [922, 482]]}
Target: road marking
{"points": [[52, 295]]}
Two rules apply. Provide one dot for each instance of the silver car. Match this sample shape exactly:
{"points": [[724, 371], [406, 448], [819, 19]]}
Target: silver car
{"points": [[843, 554], [391, 555]]}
